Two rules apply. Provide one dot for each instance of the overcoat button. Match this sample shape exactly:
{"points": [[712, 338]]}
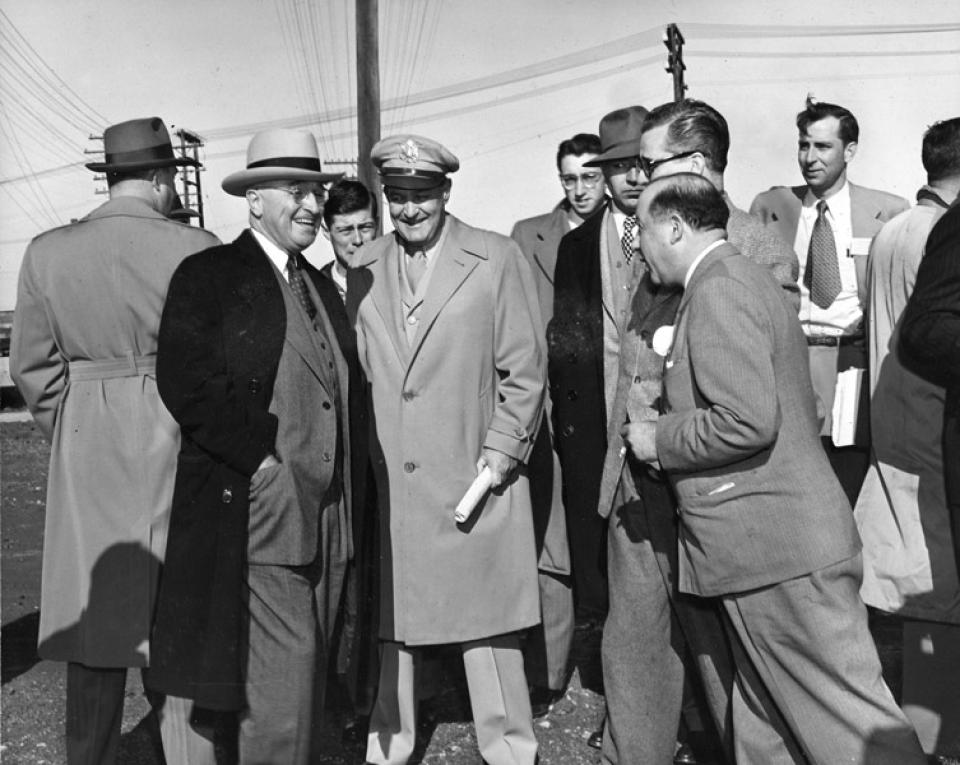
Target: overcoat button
{"points": [[409, 467], [408, 395], [568, 430], [572, 358], [227, 496], [572, 395], [327, 457], [254, 385], [326, 404]]}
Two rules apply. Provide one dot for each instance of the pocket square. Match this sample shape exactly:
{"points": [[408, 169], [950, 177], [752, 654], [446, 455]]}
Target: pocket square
{"points": [[662, 340], [669, 363]]}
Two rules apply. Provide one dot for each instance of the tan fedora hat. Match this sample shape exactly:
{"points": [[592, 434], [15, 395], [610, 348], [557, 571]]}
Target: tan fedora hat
{"points": [[138, 144], [620, 133], [279, 155]]}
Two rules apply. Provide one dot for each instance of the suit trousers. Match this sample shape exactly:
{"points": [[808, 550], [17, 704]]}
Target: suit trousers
{"points": [[291, 612], [546, 654], [808, 676], [498, 699], [94, 713], [653, 636]]}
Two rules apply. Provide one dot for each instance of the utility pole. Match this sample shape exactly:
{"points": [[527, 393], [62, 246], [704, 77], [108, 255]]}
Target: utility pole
{"points": [[368, 95], [675, 66], [191, 196]]}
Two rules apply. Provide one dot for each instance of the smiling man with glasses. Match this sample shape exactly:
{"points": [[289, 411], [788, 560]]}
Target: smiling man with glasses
{"points": [[249, 367]]}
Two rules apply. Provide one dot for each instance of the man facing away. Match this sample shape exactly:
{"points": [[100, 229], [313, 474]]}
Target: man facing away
{"points": [[547, 653], [448, 335], [249, 367], [830, 222], [737, 436], [83, 355]]}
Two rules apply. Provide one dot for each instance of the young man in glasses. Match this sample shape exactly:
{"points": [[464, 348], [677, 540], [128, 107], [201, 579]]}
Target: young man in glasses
{"points": [[547, 651]]}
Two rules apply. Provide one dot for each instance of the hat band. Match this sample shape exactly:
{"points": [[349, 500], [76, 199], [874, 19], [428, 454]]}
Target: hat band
{"points": [[299, 163], [161, 152], [411, 172]]}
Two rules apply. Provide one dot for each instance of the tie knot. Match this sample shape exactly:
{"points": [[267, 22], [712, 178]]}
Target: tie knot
{"points": [[822, 208], [293, 263]]}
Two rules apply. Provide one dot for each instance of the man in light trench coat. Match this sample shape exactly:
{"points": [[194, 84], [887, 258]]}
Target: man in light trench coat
{"points": [[83, 354], [449, 336]]}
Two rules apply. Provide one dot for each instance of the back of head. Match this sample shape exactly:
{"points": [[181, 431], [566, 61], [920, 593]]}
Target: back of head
{"points": [[580, 144], [690, 196], [693, 126], [941, 150], [819, 110], [348, 196]]}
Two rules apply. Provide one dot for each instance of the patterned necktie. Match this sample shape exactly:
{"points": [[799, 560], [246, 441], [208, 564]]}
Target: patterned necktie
{"points": [[626, 241], [416, 267], [295, 279], [822, 275]]}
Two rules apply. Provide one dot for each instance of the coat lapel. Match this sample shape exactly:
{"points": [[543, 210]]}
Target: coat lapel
{"points": [[548, 242], [457, 258], [385, 293], [865, 216]]}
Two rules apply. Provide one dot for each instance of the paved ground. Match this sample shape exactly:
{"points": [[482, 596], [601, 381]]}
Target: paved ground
{"points": [[32, 696]]}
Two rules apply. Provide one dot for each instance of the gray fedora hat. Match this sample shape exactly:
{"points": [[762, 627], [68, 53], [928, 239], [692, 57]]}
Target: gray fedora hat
{"points": [[279, 155], [138, 144]]}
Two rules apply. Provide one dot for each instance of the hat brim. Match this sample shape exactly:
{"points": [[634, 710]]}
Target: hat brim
{"points": [[411, 182], [624, 150], [131, 167], [236, 184]]}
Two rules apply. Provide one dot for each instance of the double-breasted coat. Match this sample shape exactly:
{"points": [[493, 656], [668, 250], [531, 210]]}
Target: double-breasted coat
{"points": [[473, 377], [83, 356]]}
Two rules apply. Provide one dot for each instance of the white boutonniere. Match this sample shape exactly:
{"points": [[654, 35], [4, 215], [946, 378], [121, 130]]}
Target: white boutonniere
{"points": [[663, 340]]}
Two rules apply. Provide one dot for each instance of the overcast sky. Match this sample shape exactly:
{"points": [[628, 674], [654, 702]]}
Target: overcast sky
{"points": [[500, 82]]}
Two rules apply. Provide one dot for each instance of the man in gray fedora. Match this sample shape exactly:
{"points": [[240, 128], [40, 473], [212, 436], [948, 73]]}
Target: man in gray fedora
{"points": [[83, 354], [260, 533]]}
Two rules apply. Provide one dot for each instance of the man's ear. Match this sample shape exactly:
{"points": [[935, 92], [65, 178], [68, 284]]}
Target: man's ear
{"points": [[255, 202], [698, 164], [676, 228], [849, 151]]}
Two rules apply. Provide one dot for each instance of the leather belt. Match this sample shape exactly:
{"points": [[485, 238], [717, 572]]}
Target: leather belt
{"points": [[833, 341]]}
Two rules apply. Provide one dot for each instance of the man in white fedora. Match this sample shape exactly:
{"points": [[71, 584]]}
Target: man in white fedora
{"points": [[260, 533], [83, 356]]}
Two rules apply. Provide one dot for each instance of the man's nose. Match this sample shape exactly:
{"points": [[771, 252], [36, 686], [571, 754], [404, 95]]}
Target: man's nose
{"points": [[634, 176], [409, 209], [357, 237]]}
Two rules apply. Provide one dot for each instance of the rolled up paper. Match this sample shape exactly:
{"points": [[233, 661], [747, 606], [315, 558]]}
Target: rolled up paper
{"points": [[480, 486]]}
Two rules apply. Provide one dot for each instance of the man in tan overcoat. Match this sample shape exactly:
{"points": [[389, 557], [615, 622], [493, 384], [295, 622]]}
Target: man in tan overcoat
{"points": [[448, 334], [83, 354]]}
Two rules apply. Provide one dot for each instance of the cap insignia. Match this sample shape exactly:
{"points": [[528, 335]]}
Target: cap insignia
{"points": [[409, 151]]}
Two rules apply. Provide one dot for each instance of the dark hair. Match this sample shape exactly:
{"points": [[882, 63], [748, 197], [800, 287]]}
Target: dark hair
{"points": [[819, 110], [580, 144], [131, 175], [693, 126], [941, 150], [691, 196], [348, 196]]}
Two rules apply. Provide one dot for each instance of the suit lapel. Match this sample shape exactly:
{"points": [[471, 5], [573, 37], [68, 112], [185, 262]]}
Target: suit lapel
{"points": [[456, 259], [548, 242], [385, 293], [865, 217]]}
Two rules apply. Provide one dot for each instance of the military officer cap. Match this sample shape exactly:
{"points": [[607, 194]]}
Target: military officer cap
{"points": [[412, 162]]}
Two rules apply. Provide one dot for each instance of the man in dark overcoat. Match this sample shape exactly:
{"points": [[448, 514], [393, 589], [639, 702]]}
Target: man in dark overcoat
{"points": [[260, 532]]}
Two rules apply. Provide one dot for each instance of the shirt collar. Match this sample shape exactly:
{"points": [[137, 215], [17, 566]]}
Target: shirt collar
{"points": [[277, 256], [699, 259]]}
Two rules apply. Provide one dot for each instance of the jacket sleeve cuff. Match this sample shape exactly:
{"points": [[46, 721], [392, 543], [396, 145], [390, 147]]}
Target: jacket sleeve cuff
{"points": [[514, 446]]}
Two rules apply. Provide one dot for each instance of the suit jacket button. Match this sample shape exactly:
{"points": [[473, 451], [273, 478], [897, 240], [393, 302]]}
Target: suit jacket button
{"points": [[327, 456], [227, 496], [572, 395], [409, 467], [253, 386], [409, 395], [572, 358], [326, 404], [568, 430]]}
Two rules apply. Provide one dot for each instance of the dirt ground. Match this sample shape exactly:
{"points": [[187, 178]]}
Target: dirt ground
{"points": [[32, 696]]}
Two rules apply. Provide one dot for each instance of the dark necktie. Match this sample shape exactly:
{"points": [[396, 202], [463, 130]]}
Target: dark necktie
{"points": [[822, 275], [626, 241], [295, 279]]}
